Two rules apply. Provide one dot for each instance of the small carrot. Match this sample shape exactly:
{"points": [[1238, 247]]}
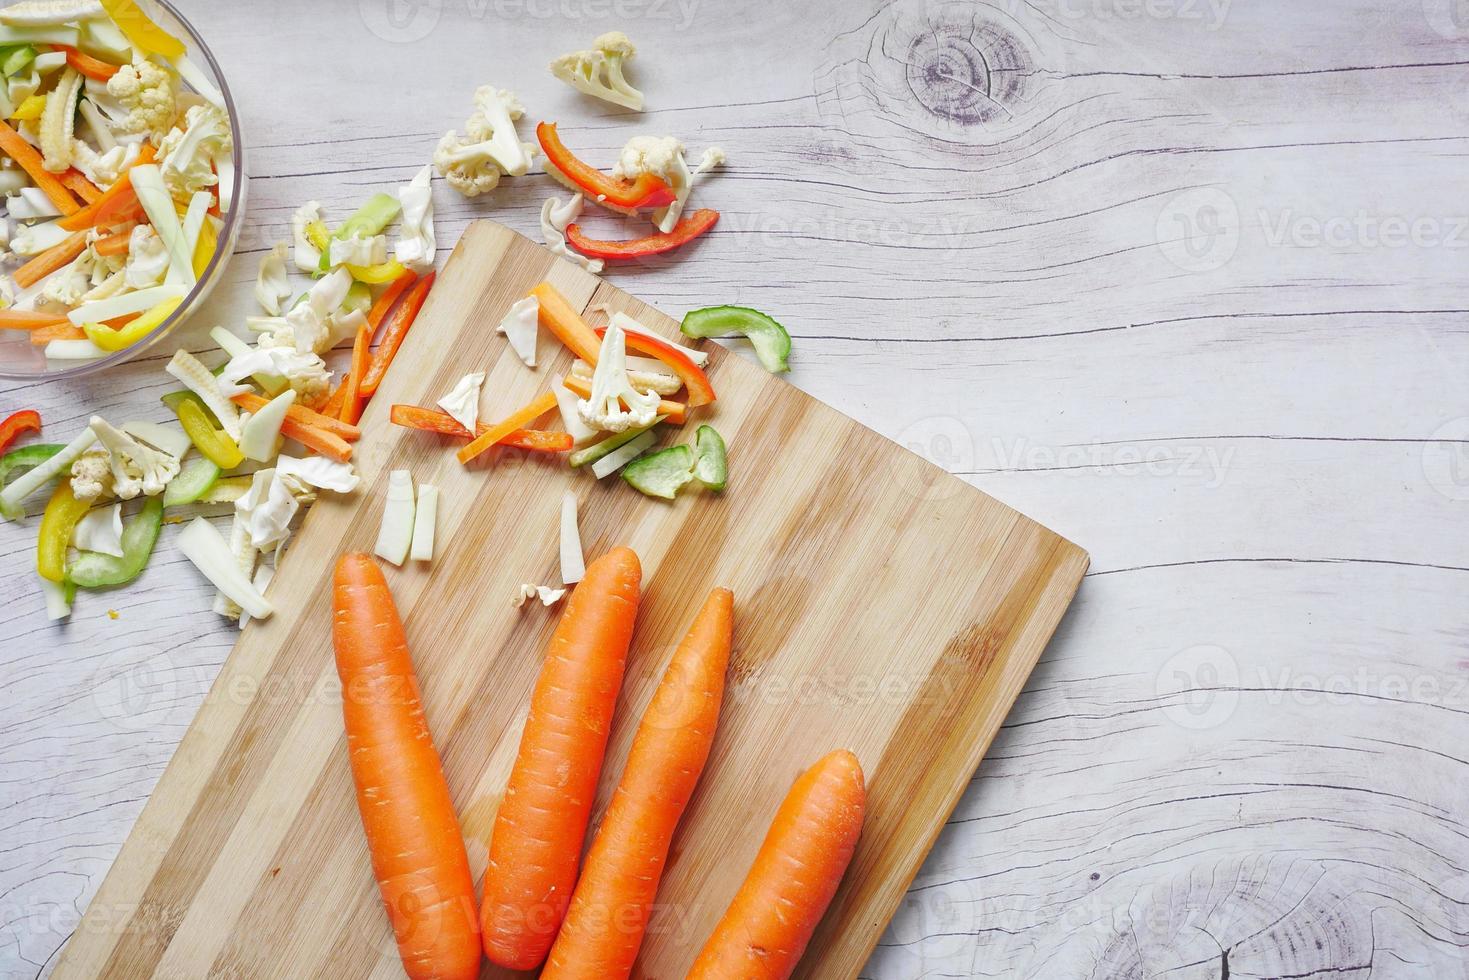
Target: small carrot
{"points": [[114, 244], [394, 332], [384, 303], [94, 68], [518, 419], [351, 401], [429, 420], [537, 839], [30, 319], [417, 849], [609, 909], [117, 204], [674, 412], [77, 182], [562, 319], [50, 260], [300, 413], [795, 875], [65, 330], [15, 146]]}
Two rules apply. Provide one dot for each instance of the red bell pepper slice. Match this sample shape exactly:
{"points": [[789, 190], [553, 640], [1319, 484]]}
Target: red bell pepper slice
{"points": [[701, 392], [689, 227], [23, 421], [647, 191]]}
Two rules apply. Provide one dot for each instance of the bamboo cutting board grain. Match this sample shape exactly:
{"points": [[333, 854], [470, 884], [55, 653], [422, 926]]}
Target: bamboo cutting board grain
{"points": [[881, 605]]}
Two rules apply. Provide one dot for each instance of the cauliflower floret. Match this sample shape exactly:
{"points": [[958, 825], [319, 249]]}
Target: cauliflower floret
{"points": [[69, 283], [490, 148], [147, 258], [611, 389], [135, 467], [186, 155], [598, 72], [146, 91], [91, 475], [663, 156]]}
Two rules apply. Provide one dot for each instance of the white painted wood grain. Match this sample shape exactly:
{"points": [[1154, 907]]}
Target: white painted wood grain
{"points": [[1187, 286]]}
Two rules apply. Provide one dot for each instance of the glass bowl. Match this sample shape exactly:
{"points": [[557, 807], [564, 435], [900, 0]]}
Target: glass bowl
{"points": [[22, 360]]}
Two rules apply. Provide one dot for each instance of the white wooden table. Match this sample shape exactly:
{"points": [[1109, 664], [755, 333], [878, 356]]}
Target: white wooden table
{"points": [[1184, 279]]}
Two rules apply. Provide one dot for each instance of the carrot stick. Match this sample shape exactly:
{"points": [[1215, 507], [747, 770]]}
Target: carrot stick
{"points": [[30, 319], [300, 413], [519, 419], [94, 68], [394, 332], [428, 420], [675, 411], [351, 402], [113, 244], [417, 850], [543, 816], [329, 444], [50, 260], [559, 317], [384, 303], [61, 331], [30, 161], [77, 181], [766, 928], [609, 909], [117, 204]]}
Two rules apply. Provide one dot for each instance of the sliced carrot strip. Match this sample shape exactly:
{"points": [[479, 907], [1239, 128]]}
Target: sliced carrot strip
{"points": [[351, 395], [30, 319], [558, 316], [117, 204], [384, 303], [50, 260], [428, 420], [91, 67], [116, 244], [304, 416], [77, 181], [327, 443], [30, 161], [393, 334], [675, 412], [542, 404], [60, 331]]}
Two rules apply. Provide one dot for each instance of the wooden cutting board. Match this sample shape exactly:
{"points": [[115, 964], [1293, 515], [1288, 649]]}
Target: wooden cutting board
{"points": [[881, 605]]}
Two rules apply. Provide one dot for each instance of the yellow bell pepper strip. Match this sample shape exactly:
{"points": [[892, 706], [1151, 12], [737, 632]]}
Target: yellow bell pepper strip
{"points": [[375, 275], [213, 444], [140, 29], [57, 524], [134, 330], [31, 108], [204, 250]]}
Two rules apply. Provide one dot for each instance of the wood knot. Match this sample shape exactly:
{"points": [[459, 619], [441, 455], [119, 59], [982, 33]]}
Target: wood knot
{"points": [[967, 71]]}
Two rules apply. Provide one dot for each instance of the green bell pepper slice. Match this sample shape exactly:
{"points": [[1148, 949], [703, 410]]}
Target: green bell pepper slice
{"points": [[771, 341], [198, 422], [711, 468], [96, 571], [18, 461], [660, 474]]}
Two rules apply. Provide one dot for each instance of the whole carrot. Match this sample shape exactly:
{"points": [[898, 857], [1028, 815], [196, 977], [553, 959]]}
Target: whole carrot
{"points": [[542, 820], [417, 850], [609, 910], [767, 926]]}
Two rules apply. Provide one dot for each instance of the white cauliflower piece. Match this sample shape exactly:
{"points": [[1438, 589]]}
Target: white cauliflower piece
{"points": [[146, 90], [490, 148], [306, 255], [147, 258], [185, 156], [91, 475], [598, 71], [663, 156], [612, 389], [68, 284], [136, 468]]}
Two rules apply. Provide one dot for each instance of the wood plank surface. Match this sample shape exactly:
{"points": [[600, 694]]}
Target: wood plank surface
{"points": [[882, 605]]}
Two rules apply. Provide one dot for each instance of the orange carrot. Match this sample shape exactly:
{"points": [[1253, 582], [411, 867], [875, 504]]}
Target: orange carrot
{"points": [[50, 260], [59, 331], [519, 419], [30, 319], [77, 182], [329, 444], [675, 411], [117, 204], [559, 317], [417, 849], [24, 154], [542, 819], [351, 402], [384, 303], [300, 413], [116, 244], [766, 928], [609, 910], [94, 68], [394, 332], [428, 420]]}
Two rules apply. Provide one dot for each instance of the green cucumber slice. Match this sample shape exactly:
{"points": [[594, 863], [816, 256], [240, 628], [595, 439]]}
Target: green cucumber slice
{"points": [[227, 490], [198, 476], [594, 452], [712, 464], [660, 474], [18, 461], [771, 342], [139, 535]]}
